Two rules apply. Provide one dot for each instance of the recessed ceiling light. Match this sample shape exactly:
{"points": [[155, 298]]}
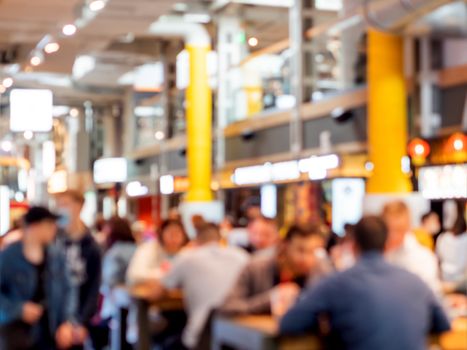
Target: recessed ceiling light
{"points": [[7, 82], [180, 7], [28, 135], [36, 60], [52, 47], [74, 112], [69, 29], [6, 146], [253, 41], [159, 135], [96, 5]]}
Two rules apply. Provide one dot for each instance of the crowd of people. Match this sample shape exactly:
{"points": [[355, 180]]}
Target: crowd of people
{"points": [[381, 286]]}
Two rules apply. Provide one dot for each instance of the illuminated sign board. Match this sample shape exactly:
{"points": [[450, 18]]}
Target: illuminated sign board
{"points": [[442, 182], [31, 110], [110, 170]]}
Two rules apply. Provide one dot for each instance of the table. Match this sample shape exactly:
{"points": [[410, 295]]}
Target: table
{"points": [[260, 333], [257, 333], [142, 296]]}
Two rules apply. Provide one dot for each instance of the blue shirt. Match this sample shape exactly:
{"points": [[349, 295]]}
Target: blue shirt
{"points": [[373, 305]]}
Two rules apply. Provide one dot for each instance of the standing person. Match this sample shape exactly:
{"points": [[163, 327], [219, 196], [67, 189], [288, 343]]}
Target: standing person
{"points": [[83, 260], [430, 227], [403, 249], [206, 275], [120, 249], [34, 288], [152, 259], [451, 249], [373, 305], [287, 271]]}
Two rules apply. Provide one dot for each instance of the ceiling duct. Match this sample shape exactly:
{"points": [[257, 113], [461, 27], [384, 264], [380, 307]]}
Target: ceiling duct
{"points": [[396, 15]]}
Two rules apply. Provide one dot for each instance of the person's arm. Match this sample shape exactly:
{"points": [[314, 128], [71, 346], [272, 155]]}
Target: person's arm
{"points": [[143, 264], [112, 267], [10, 310], [439, 320], [90, 304], [303, 316], [241, 301]]}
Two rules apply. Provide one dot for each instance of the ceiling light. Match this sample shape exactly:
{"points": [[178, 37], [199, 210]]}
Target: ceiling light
{"points": [[51, 47], [2, 89], [180, 7], [197, 17], [159, 135], [28, 135], [74, 112], [69, 29], [97, 5], [36, 60], [7, 82], [253, 41], [6, 146]]}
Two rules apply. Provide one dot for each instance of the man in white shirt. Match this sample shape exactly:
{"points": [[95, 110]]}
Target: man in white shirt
{"points": [[205, 275], [403, 249]]}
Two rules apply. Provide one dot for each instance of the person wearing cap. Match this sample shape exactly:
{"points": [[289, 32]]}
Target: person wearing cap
{"points": [[34, 289]]}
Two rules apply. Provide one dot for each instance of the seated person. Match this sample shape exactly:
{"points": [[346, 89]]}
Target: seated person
{"points": [[263, 235], [403, 249], [152, 259], [294, 266], [205, 274], [373, 305]]}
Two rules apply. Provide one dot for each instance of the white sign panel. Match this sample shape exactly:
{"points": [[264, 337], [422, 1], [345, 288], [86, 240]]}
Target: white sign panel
{"points": [[31, 110], [347, 202], [110, 170], [443, 182]]}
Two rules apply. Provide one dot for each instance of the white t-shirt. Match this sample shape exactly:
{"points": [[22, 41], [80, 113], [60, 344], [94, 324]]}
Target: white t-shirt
{"points": [[419, 260], [147, 263], [206, 275], [452, 252]]}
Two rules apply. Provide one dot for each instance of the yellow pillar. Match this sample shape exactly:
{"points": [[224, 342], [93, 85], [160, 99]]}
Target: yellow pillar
{"points": [[387, 113], [199, 127]]}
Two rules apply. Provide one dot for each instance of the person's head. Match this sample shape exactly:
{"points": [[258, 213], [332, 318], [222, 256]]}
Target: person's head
{"points": [[253, 212], [197, 221], [459, 226], [40, 225], [138, 229], [370, 234], [431, 223], [70, 203], [299, 247], [172, 236], [208, 233], [263, 233], [396, 215], [118, 230]]}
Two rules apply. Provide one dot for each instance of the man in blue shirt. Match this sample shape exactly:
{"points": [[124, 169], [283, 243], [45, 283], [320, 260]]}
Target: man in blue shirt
{"points": [[373, 305]]}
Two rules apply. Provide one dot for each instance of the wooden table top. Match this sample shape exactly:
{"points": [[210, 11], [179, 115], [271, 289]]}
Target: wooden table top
{"points": [[456, 339], [173, 300]]}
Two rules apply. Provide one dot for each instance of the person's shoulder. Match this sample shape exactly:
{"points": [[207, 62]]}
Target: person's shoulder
{"points": [[236, 253], [11, 250], [259, 263]]}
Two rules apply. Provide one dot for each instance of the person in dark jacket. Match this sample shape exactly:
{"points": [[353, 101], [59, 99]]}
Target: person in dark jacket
{"points": [[34, 288], [373, 305], [294, 266], [83, 258]]}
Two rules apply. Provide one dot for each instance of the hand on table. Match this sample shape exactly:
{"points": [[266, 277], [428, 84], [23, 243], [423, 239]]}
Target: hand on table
{"points": [[283, 297]]}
